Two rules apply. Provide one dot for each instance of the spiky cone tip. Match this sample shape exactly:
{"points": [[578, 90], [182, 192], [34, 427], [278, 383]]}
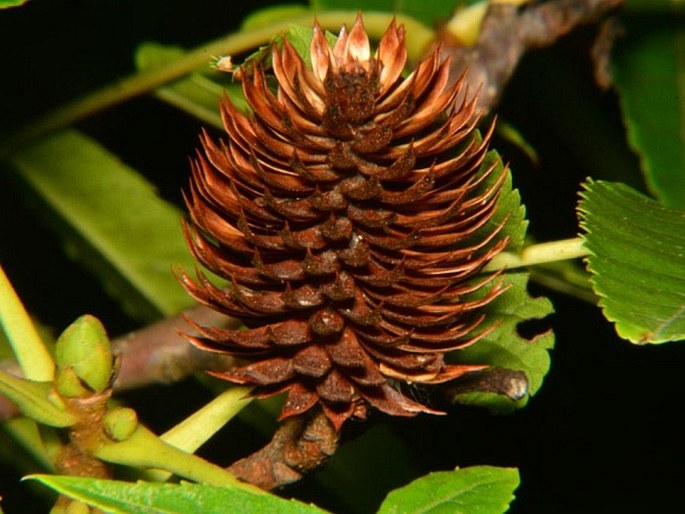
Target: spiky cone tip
{"points": [[342, 211]]}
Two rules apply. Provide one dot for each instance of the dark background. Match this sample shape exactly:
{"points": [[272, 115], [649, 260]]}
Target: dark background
{"points": [[604, 434]]}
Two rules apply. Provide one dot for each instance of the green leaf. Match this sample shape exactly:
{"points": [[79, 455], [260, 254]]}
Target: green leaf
{"points": [[34, 359], [123, 497], [637, 260], [25, 433], [505, 348], [5, 346], [31, 398], [649, 73], [301, 37], [4, 4], [509, 210], [111, 219], [298, 36], [199, 93], [474, 490]]}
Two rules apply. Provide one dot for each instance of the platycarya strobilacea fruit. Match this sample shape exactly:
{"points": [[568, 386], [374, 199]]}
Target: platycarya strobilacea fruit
{"points": [[342, 211]]}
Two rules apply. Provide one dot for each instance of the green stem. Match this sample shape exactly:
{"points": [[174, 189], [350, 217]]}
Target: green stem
{"points": [[34, 359], [563, 284], [465, 24], [540, 253], [196, 109], [129, 87], [145, 450], [195, 430]]}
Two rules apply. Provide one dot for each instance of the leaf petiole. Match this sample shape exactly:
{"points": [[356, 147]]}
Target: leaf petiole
{"points": [[145, 450], [540, 253]]}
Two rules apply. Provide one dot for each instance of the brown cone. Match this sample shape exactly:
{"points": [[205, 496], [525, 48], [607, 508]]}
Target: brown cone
{"points": [[342, 212]]}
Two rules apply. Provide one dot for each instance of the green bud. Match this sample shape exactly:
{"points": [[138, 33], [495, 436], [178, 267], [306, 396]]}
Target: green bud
{"points": [[85, 349], [69, 385], [120, 423]]}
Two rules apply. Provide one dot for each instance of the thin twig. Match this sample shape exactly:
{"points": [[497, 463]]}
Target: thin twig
{"points": [[160, 354], [508, 31]]}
